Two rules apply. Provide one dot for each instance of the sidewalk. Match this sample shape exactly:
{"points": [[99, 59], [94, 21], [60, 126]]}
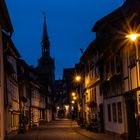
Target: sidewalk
{"points": [[93, 135]]}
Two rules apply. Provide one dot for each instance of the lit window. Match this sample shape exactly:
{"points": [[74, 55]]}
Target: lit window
{"points": [[132, 55]]}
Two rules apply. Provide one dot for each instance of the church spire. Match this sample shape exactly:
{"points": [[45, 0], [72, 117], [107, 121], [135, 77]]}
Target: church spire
{"points": [[45, 39]]}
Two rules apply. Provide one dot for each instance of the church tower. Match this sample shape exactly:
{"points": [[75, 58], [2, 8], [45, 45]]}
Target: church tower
{"points": [[45, 40], [45, 73], [46, 66]]}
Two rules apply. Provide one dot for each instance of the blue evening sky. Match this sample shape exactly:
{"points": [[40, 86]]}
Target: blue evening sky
{"points": [[69, 24]]}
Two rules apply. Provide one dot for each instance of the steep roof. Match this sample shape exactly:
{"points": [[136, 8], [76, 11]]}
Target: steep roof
{"points": [[106, 19], [10, 45], [89, 51], [129, 7], [5, 19]]}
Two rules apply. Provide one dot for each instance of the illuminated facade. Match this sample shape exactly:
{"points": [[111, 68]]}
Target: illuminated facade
{"points": [[35, 99], [113, 60], [11, 92], [25, 98], [120, 81], [92, 96], [32, 99]]}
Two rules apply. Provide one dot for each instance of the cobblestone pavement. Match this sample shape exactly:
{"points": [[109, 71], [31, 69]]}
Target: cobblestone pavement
{"points": [[61, 130]]}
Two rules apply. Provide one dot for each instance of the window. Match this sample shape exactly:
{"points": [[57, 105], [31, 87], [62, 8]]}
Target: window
{"points": [[132, 55], [114, 112], [112, 88], [108, 70], [27, 92], [33, 93], [118, 62], [112, 66], [119, 105], [119, 87], [13, 90], [96, 71], [109, 112], [93, 93]]}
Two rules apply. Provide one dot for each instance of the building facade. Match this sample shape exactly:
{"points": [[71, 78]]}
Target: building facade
{"points": [[24, 79], [26, 92], [92, 96], [120, 83], [5, 25], [112, 72], [32, 99], [11, 90]]}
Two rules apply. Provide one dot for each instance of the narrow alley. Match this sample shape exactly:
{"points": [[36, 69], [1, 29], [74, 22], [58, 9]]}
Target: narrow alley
{"points": [[70, 70]]}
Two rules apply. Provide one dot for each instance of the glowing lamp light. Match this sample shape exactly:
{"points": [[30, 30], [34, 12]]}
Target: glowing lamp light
{"points": [[72, 102], [74, 98], [133, 36], [73, 93], [77, 78], [72, 108]]}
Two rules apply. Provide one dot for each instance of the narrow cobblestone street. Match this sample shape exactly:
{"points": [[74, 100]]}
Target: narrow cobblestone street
{"points": [[61, 130]]}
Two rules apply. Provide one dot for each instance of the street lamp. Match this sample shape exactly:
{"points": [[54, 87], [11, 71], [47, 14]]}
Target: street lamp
{"points": [[133, 36], [74, 98], [73, 94], [72, 101], [58, 107], [77, 78]]}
